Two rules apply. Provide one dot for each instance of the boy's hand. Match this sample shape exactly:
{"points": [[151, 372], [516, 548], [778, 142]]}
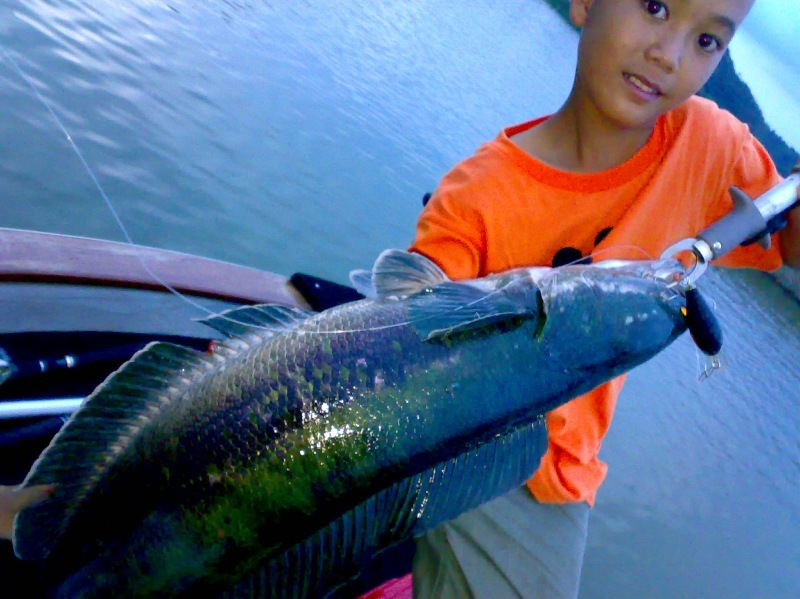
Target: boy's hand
{"points": [[15, 499]]}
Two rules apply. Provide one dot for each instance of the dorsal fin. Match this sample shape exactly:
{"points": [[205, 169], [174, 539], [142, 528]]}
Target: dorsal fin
{"points": [[399, 274], [97, 433], [459, 307], [361, 280], [254, 324]]}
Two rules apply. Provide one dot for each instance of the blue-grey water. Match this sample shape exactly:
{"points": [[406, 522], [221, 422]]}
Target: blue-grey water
{"points": [[301, 136]]}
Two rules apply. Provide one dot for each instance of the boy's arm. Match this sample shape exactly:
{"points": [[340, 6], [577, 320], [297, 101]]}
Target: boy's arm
{"points": [[451, 234]]}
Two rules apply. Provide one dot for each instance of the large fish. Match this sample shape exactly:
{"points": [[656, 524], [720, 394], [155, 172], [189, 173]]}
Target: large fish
{"points": [[278, 463]]}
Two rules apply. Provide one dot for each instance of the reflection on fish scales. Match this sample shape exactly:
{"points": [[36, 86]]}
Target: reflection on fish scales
{"points": [[278, 463]]}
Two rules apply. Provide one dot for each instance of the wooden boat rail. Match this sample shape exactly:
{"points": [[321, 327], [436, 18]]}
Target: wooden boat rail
{"points": [[32, 256]]}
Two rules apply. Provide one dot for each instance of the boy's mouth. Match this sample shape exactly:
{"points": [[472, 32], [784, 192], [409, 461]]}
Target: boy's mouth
{"points": [[642, 84]]}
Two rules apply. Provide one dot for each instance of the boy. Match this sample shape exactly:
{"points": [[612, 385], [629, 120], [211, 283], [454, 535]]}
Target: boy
{"points": [[631, 160]]}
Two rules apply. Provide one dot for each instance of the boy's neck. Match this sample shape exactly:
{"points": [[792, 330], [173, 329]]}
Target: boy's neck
{"points": [[572, 140]]}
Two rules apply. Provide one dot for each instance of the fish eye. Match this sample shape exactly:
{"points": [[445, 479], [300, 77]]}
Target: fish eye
{"points": [[656, 9]]}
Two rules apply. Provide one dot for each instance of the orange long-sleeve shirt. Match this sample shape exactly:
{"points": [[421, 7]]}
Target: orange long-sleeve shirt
{"points": [[502, 209]]}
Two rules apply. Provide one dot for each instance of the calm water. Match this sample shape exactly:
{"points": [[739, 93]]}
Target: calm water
{"points": [[300, 136]]}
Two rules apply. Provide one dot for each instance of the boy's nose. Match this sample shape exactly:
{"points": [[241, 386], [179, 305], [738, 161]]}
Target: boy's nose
{"points": [[666, 52]]}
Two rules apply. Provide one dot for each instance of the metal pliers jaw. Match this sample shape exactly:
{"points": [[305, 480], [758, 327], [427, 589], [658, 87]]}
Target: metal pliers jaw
{"points": [[748, 222], [702, 254]]}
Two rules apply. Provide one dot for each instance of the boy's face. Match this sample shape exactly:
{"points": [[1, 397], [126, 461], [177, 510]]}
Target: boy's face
{"points": [[637, 59]]}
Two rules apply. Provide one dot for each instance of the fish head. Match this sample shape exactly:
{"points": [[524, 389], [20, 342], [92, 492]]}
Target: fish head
{"points": [[611, 315]]}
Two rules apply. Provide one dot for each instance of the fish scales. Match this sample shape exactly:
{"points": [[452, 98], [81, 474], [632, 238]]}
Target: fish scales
{"points": [[414, 503], [333, 455], [338, 434]]}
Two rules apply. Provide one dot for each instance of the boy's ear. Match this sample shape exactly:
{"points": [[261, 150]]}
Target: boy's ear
{"points": [[579, 11]]}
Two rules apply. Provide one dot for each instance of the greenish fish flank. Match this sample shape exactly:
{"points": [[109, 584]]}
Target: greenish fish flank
{"points": [[279, 463]]}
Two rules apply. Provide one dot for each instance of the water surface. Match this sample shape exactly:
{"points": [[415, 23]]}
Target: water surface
{"points": [[301, 137]]}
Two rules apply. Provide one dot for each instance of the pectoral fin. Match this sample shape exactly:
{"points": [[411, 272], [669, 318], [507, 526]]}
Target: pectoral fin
{"points": [[459, 307]]}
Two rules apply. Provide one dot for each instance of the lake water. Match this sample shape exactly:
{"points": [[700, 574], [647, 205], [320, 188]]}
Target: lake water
{"points": [[301, 136]]}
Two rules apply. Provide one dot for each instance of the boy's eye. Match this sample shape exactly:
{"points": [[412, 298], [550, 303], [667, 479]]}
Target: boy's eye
{"points": [[656, 9], [708, 42]]}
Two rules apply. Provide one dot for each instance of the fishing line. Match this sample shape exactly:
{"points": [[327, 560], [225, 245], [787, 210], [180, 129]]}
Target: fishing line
{"points": [[129, 240], [616, 248], [124, 229], [106, 199], [709, 365]]}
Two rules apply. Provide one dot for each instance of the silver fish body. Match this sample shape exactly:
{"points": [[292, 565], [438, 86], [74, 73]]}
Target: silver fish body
{"points": [[276, 465]]}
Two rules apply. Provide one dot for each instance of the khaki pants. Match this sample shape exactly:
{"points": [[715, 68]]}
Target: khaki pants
{"points": [[512, 546]]}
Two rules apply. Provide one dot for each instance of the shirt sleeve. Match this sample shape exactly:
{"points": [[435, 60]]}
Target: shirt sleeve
{"points": [[753, 173], [450, 231]]}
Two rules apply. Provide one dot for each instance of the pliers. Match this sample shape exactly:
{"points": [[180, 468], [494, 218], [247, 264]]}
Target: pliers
{"points": [[749, 222]]}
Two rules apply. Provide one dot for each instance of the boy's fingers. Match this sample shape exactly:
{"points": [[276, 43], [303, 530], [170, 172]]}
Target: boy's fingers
{"points": [[15, 499], [28, 496]]}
